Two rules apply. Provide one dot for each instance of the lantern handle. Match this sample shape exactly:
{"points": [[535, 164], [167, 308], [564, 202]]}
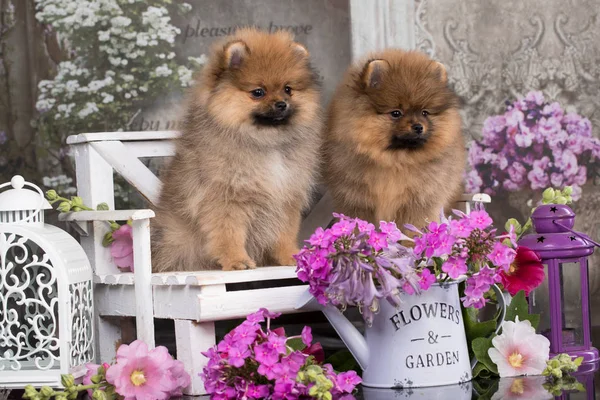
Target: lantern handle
{"points": [[580, 235], [18, 182]]}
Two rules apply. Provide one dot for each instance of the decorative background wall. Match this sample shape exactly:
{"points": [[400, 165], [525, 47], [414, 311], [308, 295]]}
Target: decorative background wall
{"points": [[494, 51]]}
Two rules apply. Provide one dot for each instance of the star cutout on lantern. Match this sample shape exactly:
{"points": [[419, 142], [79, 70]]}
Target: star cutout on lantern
{"points": [[541, 239], [553, 209], [573, 238]]}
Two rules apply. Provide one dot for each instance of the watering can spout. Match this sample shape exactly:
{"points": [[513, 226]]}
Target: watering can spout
{"points": [[353, 339]]}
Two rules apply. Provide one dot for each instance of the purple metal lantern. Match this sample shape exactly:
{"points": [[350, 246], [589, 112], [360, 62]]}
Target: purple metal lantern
{"points": [[564, 253]]}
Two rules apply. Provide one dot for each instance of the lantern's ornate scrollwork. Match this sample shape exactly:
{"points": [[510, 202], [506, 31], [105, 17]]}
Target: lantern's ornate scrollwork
{"points": [[28, 305], [82, 333]]}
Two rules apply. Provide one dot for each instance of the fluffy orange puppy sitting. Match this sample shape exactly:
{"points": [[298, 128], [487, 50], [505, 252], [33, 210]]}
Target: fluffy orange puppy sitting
{"points": [[245, 163], [393, 148]]}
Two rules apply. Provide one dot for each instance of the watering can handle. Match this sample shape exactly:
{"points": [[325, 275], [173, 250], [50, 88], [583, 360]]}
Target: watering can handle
{"points": [[502, 306]]}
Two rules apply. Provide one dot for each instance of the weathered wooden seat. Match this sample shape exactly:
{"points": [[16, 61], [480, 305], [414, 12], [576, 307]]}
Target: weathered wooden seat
{"points": [[194, 300]]}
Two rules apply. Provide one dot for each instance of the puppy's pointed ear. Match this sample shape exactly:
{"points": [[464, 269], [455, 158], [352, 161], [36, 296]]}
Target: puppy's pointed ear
{"points": [[235, 53], [374, 72], [300, 50], [442, 71]]}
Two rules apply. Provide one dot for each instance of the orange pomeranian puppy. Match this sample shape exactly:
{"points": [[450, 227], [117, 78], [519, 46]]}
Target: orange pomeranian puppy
{"points": [[246, 161], [393, 147]]}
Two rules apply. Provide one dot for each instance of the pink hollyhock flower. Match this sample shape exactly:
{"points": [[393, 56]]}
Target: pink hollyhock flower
{"points": [[142, 374], [121, 249], [315, 350], [92, 369], [519, 350], [525, 273], [530, 388]]}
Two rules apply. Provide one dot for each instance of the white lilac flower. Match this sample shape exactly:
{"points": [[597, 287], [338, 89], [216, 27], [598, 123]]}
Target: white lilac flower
{"points": [[89, 108], [185, 76], [163, 70]]}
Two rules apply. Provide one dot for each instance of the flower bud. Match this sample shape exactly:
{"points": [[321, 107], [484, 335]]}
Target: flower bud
{"points": [[513, 222], [76, 201], [65, 206], [568, 190], [561, 200], [102, 207], [548, 195], [67, 380], [46, 391], [51, 195], [31, 393], [99, 395]]}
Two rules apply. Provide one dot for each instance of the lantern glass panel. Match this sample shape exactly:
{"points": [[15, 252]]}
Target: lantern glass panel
{"points": [[540, 304], [572, 310]]}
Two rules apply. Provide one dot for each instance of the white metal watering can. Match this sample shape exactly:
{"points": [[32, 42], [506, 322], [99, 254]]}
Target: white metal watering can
{"points": [[421, 343]]}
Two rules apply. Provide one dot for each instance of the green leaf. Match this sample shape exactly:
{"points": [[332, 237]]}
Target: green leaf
{"points": [[519, 307], [102, 207], [485, 388], [296, 344], [475, 329], [480, 348], [343, 361]]}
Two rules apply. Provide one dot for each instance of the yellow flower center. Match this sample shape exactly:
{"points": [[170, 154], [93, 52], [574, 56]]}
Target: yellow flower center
{"points": [[138, 378], [512, 269], [517, 387], [516, 360]]}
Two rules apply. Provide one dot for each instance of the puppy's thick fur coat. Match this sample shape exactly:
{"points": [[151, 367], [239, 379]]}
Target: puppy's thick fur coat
{"points": [[393, 146], [246, 160]]}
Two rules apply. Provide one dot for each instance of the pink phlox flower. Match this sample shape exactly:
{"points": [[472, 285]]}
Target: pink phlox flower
{"points": [[460, 228], [480, 220], [364, 226], [502, 256], [391, 230], [455, 267], [266, 354], [343, 228], [121, 249], [237, 356], [426, 279], [258, 391], [378, 240], [444, 245], [347, 381], [321, 238]]}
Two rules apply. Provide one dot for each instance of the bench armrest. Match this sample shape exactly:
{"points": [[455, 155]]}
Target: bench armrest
{"points": [[108, 215]]}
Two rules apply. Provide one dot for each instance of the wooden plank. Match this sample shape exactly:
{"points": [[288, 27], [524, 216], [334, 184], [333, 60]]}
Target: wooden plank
{"points": [[180, 302], [108, 215], [130, 168], [95, 186], [241, 303], [379, 24], [114, 300], [221, 277], [144, 315], [121, 136], [192, 339], [154, 148]]}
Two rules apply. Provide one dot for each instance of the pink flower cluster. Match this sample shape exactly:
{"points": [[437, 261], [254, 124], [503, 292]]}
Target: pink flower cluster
{"points": [[534, 144], [467, 247], [342, 264], [252, 363]]}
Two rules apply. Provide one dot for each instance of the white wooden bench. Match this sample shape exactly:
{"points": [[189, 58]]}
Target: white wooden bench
{"points": [[194, 300]]}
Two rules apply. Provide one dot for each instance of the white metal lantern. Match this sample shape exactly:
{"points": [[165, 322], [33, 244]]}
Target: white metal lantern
{"points": [[46, 300]]}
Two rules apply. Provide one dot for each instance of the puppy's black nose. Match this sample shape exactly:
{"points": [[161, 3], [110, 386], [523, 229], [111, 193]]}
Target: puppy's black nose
{"points": [[417, 128], [280, 106]]}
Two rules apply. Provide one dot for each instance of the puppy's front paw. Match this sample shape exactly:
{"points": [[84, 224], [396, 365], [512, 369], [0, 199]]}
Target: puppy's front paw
{"points": [[238, 265]]}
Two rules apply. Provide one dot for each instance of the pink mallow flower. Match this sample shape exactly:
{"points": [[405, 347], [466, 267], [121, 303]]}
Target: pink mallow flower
{"points": [[121, 249], [140, 373], [519, 350]]}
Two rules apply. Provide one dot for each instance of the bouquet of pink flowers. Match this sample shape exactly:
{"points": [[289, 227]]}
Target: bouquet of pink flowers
{"points": [[354, 264], [532, 145], [252, 363]]}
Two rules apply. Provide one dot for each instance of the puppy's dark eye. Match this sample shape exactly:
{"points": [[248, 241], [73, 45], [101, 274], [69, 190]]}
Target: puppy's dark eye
{"points": [[257, 93], [396, 114], [288, 90], [425, 113]]}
